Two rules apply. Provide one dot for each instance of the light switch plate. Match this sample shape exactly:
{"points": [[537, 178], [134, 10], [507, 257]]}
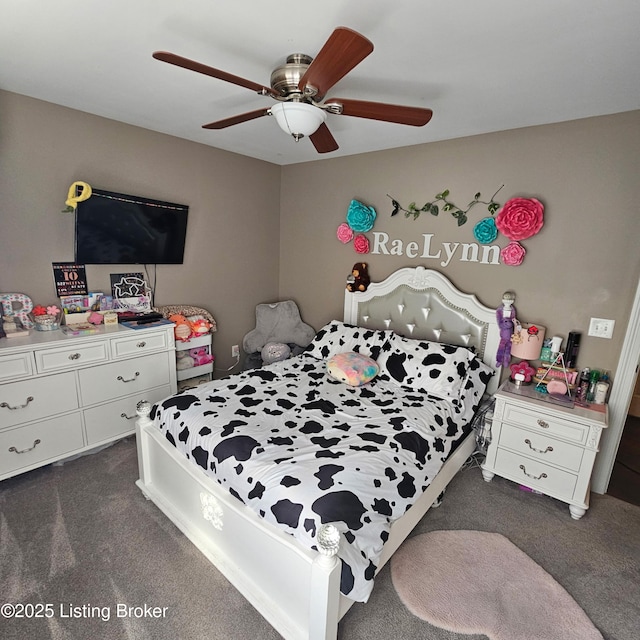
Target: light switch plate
{"points": [[601, 327]]}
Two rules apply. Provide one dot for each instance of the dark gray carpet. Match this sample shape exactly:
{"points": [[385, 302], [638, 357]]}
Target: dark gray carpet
{"points": [[82, 535]]}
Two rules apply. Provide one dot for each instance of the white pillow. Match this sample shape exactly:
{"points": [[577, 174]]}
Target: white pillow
{"points": [[430, 367], [339, 337]]}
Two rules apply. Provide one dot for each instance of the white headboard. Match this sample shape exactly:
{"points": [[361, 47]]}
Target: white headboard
{"points": [[416, 302]]}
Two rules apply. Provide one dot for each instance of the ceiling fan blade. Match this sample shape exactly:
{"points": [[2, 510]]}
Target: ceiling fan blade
{"points": [[323, 140], [415, 116], [343, 50], [244, 117], [185, 63]]}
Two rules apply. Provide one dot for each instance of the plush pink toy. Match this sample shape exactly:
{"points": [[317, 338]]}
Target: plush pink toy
{"points": [[200, 356]]}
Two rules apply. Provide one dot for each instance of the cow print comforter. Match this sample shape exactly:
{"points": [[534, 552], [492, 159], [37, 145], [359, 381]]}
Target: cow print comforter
{"points": [[302, 449]]}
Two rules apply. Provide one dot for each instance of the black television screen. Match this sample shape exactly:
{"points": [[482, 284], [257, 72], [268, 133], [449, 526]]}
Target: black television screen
{"points": [[114, 228]]}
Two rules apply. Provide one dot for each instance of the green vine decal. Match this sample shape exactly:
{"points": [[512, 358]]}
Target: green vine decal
{"points": [[441, 199]]}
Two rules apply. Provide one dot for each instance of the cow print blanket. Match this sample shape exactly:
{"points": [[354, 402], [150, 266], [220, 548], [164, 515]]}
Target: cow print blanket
{"points": [[302, 449]]}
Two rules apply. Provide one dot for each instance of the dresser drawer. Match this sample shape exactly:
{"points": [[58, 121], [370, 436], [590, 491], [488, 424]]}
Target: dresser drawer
{"points": [[40, 442], [71, 356], [546, 423], [126, 377], [17, 365], [541, 447], [117, 418], [536, 475], [139, 344], [35, 399]]}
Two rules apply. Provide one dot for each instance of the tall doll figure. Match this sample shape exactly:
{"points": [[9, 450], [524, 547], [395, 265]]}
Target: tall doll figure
{"points": [[506, 316]]}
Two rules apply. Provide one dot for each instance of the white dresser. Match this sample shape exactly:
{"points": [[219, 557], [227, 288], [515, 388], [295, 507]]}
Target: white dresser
{"points": [[544, 446], [61, 395]]}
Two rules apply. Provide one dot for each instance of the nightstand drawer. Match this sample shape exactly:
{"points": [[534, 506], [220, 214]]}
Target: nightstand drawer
{"points": [[546, 423], [36, 443], [536, 475], [138, 344], [30, 400], [122, 378], [541, 447], [17, 365], [71, 356]]}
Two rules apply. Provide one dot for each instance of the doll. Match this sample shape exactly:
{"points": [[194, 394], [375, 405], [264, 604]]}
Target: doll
{"points": [[505, 315]]}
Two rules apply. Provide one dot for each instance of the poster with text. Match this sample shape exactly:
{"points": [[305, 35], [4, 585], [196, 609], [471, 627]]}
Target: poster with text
{"points": [[70, 279]]}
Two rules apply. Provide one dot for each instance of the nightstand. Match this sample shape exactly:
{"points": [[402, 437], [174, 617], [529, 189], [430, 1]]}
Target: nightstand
{"points": [[545, 446]]}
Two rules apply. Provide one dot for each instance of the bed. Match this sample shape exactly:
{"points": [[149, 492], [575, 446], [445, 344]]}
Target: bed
{"points": [[298, 487]]}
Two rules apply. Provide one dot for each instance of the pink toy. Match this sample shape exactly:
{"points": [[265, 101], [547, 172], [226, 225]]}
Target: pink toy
{"points": [[200, 356], [200, 326]]}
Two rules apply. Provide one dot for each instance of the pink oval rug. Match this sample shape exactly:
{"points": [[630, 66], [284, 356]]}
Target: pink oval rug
{"points": [[480, 582]]}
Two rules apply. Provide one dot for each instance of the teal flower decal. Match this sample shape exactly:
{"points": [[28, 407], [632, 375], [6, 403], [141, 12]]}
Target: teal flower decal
{"points": [[485, 231], [360, 217]]}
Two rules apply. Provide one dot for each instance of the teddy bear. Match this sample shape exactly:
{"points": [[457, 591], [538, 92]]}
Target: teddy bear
{"points": [[359, 279], [200, 356], [183, 329]]}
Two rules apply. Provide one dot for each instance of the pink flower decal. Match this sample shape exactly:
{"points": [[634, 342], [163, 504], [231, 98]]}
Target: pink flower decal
{"points": [[361, 244], [513, 254], [520, 218], [345, 233], [53, 310]]}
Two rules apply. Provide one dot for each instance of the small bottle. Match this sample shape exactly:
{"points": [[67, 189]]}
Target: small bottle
{"points": [[602, 389], [594, 376], [583, 385]]}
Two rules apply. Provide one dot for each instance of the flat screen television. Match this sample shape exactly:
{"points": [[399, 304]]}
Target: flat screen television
{"points": [[115, 228]]}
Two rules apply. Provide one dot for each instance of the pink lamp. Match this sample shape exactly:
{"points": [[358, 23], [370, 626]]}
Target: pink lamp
{"points": [[526, 341]]}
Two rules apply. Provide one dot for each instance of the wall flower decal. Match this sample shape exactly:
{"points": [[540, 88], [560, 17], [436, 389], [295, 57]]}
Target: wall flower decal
{"points": [[344, 233], [360, 217], [520, 218], [361, 244], [513, 254], [485, 231]]}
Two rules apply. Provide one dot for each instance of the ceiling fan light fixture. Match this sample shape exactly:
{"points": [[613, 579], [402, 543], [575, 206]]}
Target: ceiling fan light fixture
{"points": [[298, 119]]}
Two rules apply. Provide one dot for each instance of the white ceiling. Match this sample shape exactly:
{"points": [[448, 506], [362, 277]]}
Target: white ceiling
{"points": [[481, 65]]}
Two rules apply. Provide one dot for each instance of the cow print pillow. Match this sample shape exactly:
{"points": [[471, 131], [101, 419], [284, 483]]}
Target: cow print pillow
{"points": [[339, 337], [430, 367]]}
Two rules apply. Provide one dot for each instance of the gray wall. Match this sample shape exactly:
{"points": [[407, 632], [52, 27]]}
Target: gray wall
{"points": [[231, 256], [259, 232]]}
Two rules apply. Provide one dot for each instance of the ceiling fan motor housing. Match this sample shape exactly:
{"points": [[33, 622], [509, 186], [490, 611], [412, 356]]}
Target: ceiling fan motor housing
{"points": [[285, 79]]}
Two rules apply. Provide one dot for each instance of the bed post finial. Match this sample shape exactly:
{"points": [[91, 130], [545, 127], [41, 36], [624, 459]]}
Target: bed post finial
{"points": [[143, 409]]}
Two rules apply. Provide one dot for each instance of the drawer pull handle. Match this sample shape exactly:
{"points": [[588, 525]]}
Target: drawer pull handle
{"points": [[74, 356], [129, 379], [141, 344], [542, 475], [527, 441], [126, 417], [35, 444], [6, 405], [543, 424]]}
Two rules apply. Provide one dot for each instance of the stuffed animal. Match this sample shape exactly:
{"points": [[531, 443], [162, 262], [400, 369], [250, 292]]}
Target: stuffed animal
{"points": [[184, 360], [275, 352], [183, 330], [359, 279], [200, 326], [200, 356], [505, 316]]}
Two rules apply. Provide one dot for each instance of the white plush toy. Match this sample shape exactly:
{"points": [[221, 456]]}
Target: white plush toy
{"points": [[274, 352], [184, 360]]}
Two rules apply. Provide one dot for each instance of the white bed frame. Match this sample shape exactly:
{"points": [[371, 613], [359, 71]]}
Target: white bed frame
{"points": [[294, 588]]}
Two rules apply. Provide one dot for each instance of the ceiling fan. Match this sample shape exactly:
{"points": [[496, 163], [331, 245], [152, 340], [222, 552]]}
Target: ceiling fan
{"points": [[300, 86]]}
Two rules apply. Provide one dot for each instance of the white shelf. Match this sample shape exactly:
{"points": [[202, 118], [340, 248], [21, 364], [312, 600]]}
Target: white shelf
{"points": [[193, 343]]}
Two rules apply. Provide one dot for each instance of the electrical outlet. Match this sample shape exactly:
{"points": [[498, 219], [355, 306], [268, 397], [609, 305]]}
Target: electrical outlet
{"points": [[601, 327], [235, 351]]}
